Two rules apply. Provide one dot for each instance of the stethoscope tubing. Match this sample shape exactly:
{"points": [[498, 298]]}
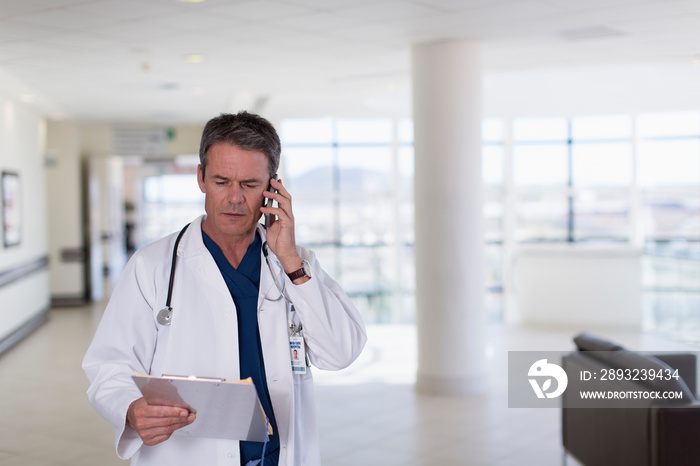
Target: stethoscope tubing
{"points": [[172, 266], [164, 316]]}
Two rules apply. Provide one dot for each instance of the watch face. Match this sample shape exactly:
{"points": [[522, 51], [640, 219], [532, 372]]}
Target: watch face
{"points": [[307, 268]]}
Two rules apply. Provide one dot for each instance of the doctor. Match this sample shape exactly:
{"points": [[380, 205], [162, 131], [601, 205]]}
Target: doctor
{"points": [[241, 294]]}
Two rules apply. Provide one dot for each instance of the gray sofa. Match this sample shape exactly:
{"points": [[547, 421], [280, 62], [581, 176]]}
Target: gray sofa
{"points": [[641, 432]]}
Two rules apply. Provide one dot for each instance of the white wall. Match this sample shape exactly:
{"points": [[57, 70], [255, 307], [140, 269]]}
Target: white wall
{"points": [[22, 145], [592, 90], [97, 139], [597, 89]]}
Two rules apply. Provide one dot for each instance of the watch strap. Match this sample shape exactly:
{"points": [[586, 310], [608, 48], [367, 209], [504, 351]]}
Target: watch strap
{"points": [[300, 272]]}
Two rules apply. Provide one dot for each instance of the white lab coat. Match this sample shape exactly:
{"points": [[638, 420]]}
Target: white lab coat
{"points": [[203, 340]]}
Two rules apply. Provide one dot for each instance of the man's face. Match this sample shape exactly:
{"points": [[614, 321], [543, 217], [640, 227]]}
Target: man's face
{"points": [[233, 184]]}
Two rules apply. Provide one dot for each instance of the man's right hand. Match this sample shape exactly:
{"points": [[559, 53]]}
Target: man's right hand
{"points": [[155, 424]]}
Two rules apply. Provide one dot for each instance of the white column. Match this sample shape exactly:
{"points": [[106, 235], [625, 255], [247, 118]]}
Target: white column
{"points": [[449, 226]]}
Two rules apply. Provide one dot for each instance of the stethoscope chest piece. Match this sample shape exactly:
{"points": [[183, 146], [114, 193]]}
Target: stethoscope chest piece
{"points": [[165, 315]]}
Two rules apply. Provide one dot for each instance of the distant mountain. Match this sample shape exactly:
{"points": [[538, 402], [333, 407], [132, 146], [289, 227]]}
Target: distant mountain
{"points": [[320, 180]]}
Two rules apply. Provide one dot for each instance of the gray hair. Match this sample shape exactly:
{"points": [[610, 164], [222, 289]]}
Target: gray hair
{"points": [[244, 130]]}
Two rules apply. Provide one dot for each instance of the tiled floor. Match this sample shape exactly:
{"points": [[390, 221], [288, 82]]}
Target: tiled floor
{"points": [[369, 414]]}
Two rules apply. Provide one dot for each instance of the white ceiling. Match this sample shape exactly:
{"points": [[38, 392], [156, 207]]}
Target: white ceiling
{"points": [[124, 60]]}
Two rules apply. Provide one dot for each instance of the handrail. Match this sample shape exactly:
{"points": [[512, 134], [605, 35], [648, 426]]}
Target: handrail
{"points": [[18, 272]]}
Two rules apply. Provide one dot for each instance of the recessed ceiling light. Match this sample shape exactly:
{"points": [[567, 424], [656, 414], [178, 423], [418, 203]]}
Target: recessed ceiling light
{"points": [[195, 58], [197, 90], [192, 1]]}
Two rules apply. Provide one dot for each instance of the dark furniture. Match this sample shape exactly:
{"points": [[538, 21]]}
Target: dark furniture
{"points": [[653, 432]]}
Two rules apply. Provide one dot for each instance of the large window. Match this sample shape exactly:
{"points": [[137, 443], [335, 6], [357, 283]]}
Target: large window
{"points": [[669, 185], [352, 182], [612, 179], [162, 198], [494, 209], [572, 178], [616, 179]]}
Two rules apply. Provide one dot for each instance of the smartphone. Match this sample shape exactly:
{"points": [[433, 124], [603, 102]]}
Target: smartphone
{"points": [[268, 202]]}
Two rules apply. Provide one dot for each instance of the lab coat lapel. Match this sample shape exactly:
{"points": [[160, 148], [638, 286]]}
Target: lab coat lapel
{"points": [[206, 311], [207, 271]]}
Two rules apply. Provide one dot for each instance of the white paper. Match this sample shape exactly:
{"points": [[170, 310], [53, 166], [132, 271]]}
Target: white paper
{"points": [[226, 410]]}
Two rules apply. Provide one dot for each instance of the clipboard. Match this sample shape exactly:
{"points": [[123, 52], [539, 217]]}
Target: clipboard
{"points": [[225, 409]]}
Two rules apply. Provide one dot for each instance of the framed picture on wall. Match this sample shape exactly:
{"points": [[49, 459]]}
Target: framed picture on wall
{"points": [[11, 210]]}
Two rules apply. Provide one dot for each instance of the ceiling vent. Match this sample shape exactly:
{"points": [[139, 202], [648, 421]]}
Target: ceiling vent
{"points": [[598, 32]]}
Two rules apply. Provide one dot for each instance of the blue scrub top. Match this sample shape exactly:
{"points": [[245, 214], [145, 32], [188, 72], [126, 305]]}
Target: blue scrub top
{"points": [[243, 284]]}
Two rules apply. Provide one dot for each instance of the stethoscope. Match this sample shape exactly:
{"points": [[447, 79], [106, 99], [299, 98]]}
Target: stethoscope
{"points": [[165, 315]]}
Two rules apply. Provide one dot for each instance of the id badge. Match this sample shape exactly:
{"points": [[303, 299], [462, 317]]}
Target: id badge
{"points": [[298, 354]]}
